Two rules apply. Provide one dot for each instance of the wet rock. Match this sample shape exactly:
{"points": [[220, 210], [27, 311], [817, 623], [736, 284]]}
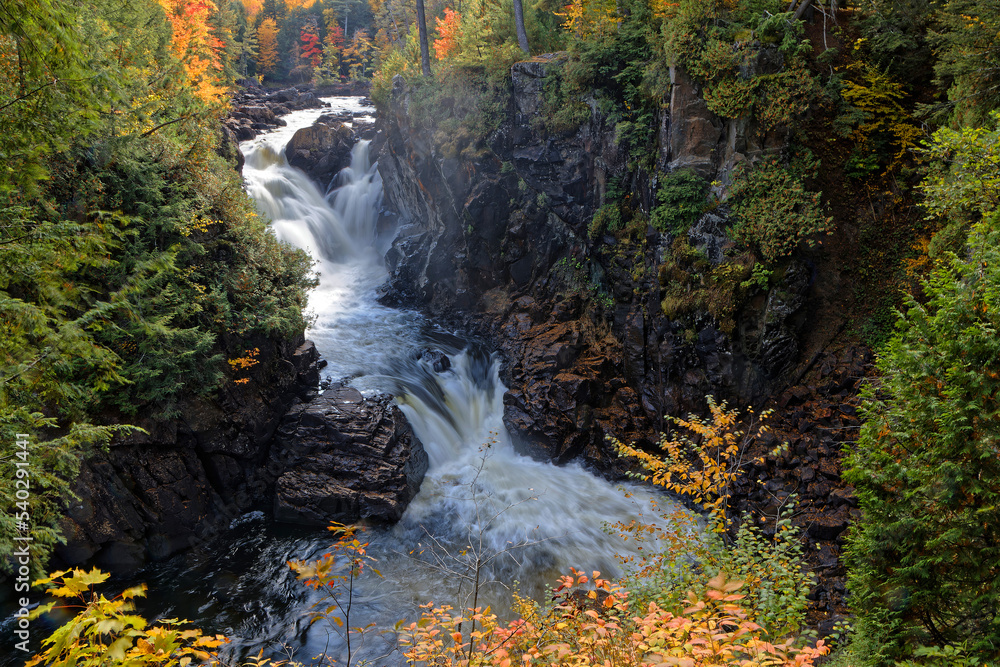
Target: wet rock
{"points": [[709, 236], [254, 110], [341, 457], [174, 486], [307, 364], [321, 151], [229, 148]]}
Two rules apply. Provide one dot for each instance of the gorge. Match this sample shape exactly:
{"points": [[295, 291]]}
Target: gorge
{"points": [[483, 511], [469, 245], [372, 305]]}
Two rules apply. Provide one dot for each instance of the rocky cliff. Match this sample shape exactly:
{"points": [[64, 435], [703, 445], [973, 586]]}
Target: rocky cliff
{"points": [[579, 315], [274, 444], [604, 331], [156, 493]]}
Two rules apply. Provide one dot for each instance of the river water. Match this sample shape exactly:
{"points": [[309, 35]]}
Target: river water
{"points": [[482, 506]]}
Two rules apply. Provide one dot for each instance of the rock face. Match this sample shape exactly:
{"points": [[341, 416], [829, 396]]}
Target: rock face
{"points": [[321, 150], [334, 456], [154, 494], [580, 313], [506, 239], [817, 417], [341, 457]]}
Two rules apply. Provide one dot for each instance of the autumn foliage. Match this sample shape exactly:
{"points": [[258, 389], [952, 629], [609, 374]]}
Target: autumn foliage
{"points": [[448, 29], [267, 45], [700, 461], [590, 18], [106, 632], [312, 52], [194, 44], [592, 623]]}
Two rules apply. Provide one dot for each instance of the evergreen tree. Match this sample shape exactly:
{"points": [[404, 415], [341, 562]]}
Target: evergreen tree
{"points": [[130, 256], [925, 559], [45, 93]]}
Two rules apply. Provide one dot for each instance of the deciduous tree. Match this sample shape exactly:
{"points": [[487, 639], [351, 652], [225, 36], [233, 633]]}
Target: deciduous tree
{"points": [[448, 29], [195, 45], [312, 52], [267, 46]]}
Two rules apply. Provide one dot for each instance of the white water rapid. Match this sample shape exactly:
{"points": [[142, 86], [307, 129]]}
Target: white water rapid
{"points": [[481, 503]]}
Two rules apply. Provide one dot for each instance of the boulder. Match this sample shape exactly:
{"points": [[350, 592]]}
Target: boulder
{"points": [[321, 151], [342, 457], [258, 114]]}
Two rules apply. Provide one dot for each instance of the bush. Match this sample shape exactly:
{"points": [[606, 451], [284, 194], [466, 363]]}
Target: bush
{"points": [[592, 623], [563, 108], [701, 463], [682, 200], [106, 633], [723, 46], [774, 211], [608, 218]]}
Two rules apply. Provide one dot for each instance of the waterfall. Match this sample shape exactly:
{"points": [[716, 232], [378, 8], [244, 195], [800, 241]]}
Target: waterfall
{"points": [[482, 508], [543, 519], [356, 335], [539, 518]]}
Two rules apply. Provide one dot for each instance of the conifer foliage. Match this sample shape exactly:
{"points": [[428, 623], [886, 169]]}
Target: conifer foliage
{"points": [[131, 259], [926, 558]]}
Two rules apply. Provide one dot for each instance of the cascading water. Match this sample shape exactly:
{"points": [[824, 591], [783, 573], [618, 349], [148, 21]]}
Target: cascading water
{"points": [[356, 335], [548, 518]]}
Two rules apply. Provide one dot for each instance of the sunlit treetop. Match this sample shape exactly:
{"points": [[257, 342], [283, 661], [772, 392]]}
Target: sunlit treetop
{"points": [[254, 6]]}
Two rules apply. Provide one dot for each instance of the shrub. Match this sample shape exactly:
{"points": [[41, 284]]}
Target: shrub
{"points": [[774, 211], [721, 45], [591, 623], [563, 108], [682, 200], [607, 218], [105, 633], [701, 463]]}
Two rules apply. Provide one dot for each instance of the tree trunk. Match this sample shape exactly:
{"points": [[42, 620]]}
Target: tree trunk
{"points": [[522, 35], [803, 6], [425, 58]]}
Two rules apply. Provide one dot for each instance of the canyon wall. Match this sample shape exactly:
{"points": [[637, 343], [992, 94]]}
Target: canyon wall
{"points": [[504, 239]]}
